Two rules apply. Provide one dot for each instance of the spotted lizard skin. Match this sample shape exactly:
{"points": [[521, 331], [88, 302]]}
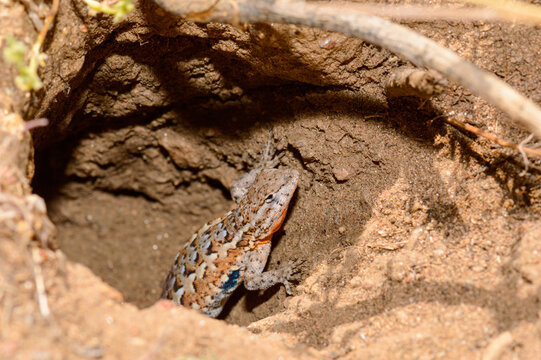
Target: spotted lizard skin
{"points": [[234, 248]]}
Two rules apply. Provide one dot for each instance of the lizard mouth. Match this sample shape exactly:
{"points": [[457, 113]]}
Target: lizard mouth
{"points": [[282, 216], [275, 226], [279, 221]]}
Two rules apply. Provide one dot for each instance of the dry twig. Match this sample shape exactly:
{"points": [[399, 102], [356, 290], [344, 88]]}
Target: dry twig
{"points": [[22, 214], [40, 284], [407, 81], [518, 10], [520, 147], [497, 346], [45, 28], [411, 12], [348, 19]]}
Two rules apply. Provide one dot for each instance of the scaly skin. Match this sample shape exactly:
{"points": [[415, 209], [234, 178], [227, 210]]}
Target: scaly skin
{"points": [[234, 248]]}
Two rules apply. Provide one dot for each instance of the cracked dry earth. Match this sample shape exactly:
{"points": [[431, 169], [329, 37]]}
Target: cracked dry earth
{"points": [[419, 241]]}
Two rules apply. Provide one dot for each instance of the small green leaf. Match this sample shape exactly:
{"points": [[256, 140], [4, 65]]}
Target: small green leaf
{"points": [[119, 9], [122, 8], [28, 79], [14, 51]]}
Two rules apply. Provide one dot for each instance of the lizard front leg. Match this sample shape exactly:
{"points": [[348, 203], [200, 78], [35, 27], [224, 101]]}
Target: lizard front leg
{"points": [[256, 279]]}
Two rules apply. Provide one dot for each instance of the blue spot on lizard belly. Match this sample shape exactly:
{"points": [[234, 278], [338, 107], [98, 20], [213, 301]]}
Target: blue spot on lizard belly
{"points": [[232, 280]]}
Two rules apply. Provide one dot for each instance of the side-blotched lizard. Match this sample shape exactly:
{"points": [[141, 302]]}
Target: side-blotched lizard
{"points": [[234, 248]]}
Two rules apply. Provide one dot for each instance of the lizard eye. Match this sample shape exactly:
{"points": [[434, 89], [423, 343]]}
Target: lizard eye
{"points": [[269, 198]]}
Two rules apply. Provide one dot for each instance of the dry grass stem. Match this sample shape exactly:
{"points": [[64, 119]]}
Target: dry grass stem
{"points": [[445, 13], [40, 284], [518, 10], [531, 151], [45, 28]]}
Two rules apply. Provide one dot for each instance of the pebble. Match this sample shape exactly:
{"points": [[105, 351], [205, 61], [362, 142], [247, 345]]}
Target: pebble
{"points": [[340, 173]]}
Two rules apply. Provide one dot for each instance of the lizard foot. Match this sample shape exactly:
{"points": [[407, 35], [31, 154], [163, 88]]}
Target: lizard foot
{"points": [[291, 272], [270, 278]]}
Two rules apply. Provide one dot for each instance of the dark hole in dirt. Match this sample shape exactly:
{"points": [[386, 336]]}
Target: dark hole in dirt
{"points": [[125, 198], [138, 168], [127, 235]]}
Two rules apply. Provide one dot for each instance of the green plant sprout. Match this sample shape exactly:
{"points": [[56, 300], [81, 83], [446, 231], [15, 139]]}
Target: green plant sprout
{"points": [[119, 9], [15, 52]]}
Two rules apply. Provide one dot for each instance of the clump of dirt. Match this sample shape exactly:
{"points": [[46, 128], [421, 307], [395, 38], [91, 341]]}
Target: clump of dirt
{"points": [[418, 240]]}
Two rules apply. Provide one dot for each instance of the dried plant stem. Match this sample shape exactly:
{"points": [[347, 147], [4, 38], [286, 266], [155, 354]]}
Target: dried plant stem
{"points": [[518, 147], [521, 10], [35, 123], [418, 49], [45, 28], [426, 13], [40, 284], [412, 82]]}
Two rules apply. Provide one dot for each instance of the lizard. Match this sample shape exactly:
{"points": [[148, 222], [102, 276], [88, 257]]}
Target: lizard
{"points": [[234, 248]]}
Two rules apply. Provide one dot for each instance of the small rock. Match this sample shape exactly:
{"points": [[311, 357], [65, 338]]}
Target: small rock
{"points": [[401, 265], [307, 155], [402, 317], [418, 205], [356, 281], [340, 173], [305, 150], [478, 268], [183, 152], [397, 269]]}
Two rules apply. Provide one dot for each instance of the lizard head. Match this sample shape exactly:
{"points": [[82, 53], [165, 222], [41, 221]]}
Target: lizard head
{"points": [[263, 208]]}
